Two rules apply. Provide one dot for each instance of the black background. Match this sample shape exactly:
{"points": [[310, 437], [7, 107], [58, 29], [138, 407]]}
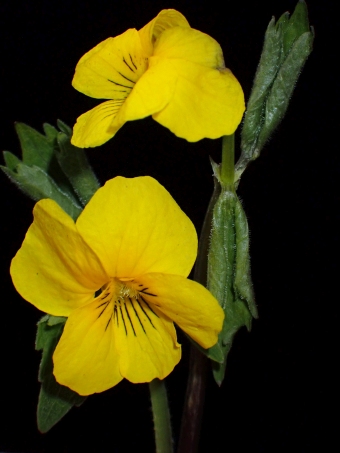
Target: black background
{"points": [[280, 383]]}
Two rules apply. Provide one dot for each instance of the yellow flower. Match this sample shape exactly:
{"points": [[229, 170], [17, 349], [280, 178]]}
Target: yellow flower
{"points": [[167, 70], [119, 275]]}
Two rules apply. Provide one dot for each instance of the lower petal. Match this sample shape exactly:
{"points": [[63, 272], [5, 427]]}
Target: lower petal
{"points": [[86, 358], [94, 127], [190, 305], [146, 342], [207, 103]]}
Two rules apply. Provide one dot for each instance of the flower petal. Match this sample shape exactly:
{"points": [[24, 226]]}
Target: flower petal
{"points": [[167, 18], [191, 306], [135, 226], [190, 45], [85, 358], [94, 127], [110, 70], [151, 94], [54, 269], [147, 344], [207, 103]]}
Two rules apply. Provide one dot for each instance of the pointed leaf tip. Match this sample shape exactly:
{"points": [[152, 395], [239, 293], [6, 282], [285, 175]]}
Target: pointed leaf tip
{"points": [[54, 400], [285, 50]]}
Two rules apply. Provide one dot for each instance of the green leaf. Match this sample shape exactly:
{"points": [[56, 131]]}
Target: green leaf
{"points": [[38, 185], [64, 128], [38, 151], [53, 320], [283, 87], [243, 286], [296, 26], [286, 47], [229, 272], [55, 400], [76, 167], [11, 160], [265, 75], [64, 169], [236, 316], [215, 353], [50, 131], [222, 254]]}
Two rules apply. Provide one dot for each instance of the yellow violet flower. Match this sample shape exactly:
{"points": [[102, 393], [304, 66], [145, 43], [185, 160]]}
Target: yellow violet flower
{"points": [[168, 70], [119, 275]]}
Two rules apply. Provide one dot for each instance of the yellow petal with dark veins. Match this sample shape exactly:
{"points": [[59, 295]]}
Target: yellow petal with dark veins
{"points": [[86, 358], [146, 342], [190, 305], [94, 127], [110, 70]]}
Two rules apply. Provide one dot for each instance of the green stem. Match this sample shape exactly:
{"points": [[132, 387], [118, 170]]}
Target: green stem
{"points": [[227, 173], [161, 416]]}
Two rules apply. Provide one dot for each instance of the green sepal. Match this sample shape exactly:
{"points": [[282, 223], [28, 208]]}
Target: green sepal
{"points": [[229, 272], [37, 184], [286, 47], [76, 167], [55, 400]]}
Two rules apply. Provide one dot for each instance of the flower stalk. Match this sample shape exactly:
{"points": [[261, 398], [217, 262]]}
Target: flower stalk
{"points": [[161, 416], [228, 161]]}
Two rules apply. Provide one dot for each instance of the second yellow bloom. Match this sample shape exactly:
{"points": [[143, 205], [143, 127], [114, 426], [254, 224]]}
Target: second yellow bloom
{"points": [[168, 70]]}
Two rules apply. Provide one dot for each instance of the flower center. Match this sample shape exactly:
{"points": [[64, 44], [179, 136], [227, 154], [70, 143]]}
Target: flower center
{"points": [[123, 302], [124, 290]]}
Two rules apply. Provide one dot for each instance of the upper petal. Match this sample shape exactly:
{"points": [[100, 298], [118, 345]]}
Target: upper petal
{"points": [[94, 127], [110, 70], [86, 359], [190, 45], [207, 103], [190, 305], [166, 19], [135, 227], [55, 269]]}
